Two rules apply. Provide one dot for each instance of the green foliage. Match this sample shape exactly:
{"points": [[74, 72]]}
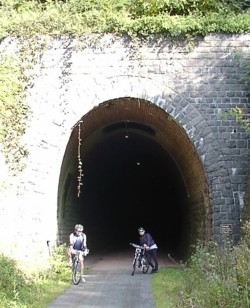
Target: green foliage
{"points": [[166, 286], [240, 115], [13, 111], [218, 277], [17, 289], [82, 6], [171, 17], [58, 262], [15, 78], [214, 276], [246, 78], [11, 278], [174, 7], [246, 234]]}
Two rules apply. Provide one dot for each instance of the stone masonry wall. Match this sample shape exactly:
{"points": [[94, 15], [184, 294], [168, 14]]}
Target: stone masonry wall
{"points": [[73, 76]]}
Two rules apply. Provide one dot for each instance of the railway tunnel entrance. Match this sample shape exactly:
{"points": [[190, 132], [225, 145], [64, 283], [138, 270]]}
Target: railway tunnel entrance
{"points": [[139, 169]]}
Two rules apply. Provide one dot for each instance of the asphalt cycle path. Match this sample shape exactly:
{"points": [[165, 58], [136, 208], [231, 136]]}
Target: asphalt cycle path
{"points": [[110, 285]]}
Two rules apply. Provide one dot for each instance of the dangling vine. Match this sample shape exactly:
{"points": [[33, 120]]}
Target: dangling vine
{"points": [[80, 171]]}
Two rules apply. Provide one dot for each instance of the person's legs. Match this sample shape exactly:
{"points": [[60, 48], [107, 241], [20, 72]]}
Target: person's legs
{"points": [[155, 258], [149, 258], [81, 258], [81, 263]]}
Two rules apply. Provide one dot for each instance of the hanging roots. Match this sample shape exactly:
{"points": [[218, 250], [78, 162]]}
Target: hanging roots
{"points": [[80, 172]]}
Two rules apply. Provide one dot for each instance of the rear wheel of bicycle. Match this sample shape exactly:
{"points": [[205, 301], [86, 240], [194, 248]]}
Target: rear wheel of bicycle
{"points": [[145, 265], [76, 273], [134, 267]]}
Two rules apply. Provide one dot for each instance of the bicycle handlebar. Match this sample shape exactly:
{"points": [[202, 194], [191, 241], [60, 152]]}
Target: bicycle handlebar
{"points": [[84, 252], [136, 246]]}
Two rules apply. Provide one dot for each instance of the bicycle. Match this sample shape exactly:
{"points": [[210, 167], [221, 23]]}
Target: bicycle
{"points": [[140, 260], [76, 266]]}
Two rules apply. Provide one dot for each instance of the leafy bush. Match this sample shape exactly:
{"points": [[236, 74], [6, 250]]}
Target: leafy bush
{"points": [[123, 16], [140, 8], [17, 289], [58, 262], [11, 278], [218, 276]]}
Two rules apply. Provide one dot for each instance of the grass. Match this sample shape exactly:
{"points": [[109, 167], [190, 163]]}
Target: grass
{"points": [[33, 290], [49, 291], [166, 286], [214, 276]]}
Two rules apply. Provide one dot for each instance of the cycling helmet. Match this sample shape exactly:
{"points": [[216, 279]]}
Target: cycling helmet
{"points": [[79, 227]]}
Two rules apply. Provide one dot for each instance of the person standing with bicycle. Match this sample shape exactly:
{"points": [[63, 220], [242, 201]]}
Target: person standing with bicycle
{"points": [[78, 242], [147, 241]]}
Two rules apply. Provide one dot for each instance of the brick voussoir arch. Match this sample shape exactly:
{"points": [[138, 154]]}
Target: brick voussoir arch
{"points": [[191, 120], [210, 154]]}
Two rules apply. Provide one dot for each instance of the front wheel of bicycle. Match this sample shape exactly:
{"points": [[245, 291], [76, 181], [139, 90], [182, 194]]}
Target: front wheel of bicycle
{"points": [[76, 273], [145, 265]]}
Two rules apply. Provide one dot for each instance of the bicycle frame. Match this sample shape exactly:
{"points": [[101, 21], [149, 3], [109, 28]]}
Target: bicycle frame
{"points": [[140, 261]]}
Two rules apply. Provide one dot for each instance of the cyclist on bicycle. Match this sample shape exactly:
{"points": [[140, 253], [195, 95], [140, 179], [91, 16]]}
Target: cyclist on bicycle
{"points": [[78, 242]]}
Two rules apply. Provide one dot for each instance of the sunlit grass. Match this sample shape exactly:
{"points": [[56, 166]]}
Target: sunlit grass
{"points": [[21, 290], [166, 285]]}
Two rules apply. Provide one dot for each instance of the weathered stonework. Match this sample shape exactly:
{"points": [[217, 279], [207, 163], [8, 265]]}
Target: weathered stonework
{"points": [[193, 87]]}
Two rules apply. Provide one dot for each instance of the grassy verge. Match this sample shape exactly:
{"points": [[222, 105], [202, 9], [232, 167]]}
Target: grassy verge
{"points": [[49, 291], [166, 286], [36, 290], [214, 276]]}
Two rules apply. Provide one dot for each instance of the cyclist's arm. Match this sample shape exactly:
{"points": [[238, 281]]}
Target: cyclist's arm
{"points": [[84, 242], [71, 240]]}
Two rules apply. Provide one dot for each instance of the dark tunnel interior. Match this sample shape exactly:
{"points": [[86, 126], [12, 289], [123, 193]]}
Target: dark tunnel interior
{"points": [[139, 169], [130, 181]]}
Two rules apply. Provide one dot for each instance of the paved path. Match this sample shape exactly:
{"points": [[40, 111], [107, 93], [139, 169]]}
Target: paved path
{"points": [[110, 284]]}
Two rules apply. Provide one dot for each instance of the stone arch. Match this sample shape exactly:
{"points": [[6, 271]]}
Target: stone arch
{"points": [[155, 123], [160, 92]]}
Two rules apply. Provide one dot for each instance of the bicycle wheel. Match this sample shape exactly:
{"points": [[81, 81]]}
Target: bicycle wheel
{"points": [[76, 272], [145, 265], [134, 267]]}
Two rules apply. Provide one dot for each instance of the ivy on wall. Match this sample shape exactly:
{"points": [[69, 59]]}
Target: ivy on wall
{"points": [[15, 78], [240, 115], [13, 111]]}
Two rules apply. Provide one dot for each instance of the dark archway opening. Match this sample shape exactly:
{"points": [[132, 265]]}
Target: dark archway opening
{"points": [[131, 181], [140, 169]]}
